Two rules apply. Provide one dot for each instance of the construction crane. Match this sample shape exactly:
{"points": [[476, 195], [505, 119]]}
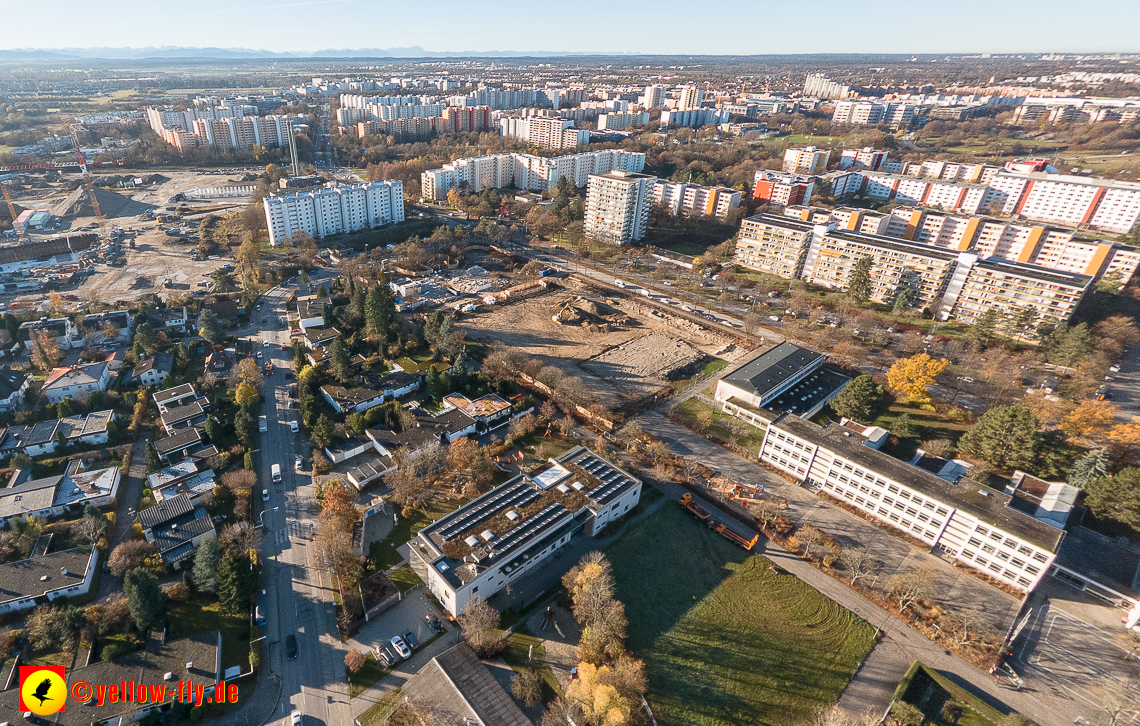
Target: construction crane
{"points": [[12, 212], [87, 181]]}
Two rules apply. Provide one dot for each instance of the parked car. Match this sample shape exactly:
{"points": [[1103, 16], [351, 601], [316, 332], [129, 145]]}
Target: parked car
{"points": [[291, 646], [385, 657], [433, 623], [401, 647], [411, 638], [295, 718], [298, 463], [265, 495]]}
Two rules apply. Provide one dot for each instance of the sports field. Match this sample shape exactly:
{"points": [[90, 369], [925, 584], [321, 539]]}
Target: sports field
{"points": [[725, 639]]}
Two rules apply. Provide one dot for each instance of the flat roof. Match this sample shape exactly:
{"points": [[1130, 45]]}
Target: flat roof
{"points": [[991, 507], [773, 368], [1045, 274]]}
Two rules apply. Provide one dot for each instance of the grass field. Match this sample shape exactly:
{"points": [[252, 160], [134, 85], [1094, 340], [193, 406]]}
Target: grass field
{"points": [[726, 640], [691, 409], [383, 552]]}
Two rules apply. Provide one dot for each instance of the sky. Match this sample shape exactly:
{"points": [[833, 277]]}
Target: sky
{"points": [[725, 27]]}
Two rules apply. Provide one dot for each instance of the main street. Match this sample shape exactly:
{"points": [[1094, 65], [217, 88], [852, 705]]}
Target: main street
{"points": [[299, 591]]}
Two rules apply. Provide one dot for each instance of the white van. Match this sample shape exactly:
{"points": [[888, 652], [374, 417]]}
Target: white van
{"points": [[294, 427], [262, 424], [275, 470]]}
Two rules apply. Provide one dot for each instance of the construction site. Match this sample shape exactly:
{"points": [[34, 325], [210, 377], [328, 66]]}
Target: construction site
{"points": [[623, 351], [60, 242]]}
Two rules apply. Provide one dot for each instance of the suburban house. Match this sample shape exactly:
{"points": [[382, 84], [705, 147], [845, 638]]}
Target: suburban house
{"points": [[42, 578], [54, 495], [62, 331], [76, 381], [493, 540], [456, 688], [176, 527], [490, 410], [228, 312], [196, 659], [13, 385], [180, 444], [178, 396], [220, 362], [311, 311], [192, 414], [320, 337], [153, 370], [350, 400], [95, 323], [182, 478], [171, 320], [44, 437], [116, 359]]}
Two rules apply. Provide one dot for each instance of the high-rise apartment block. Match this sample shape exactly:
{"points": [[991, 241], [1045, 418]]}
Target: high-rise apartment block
{"points": [[898, 115], [690, 97], [225, 128], [773, 187], [544, 132], [619, 121], [524, 171], [694, 199], [617, 206], [817, 85], [654, 97], [693, 118], [324, 212], [865, 158], [808, 245], [806, 160]]}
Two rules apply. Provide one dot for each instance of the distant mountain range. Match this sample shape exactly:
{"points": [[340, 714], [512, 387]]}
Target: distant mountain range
{"points": [[62, 54]]}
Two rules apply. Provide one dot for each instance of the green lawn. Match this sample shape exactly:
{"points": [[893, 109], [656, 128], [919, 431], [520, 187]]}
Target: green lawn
{"points": [[383, 552], [689, 411], [404, 578], [380, 709], [768, 649], [199, 615], [518, 653], [924, 426]]}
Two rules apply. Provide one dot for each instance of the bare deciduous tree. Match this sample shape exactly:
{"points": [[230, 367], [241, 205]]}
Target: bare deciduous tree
{"points": [[479, 621], [859, 562]]}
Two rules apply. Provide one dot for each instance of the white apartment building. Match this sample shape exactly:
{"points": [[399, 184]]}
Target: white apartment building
{"points": [[690, 97], [524, 171], [654, 97], [619, 121], [865, 158], [617, 206], [974, 525], [544, 131], [324, 212], [806, 160], [694, 199], [898, 115], [817, 85]]}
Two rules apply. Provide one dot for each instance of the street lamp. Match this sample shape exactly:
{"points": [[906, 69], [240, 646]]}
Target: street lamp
{"points": [[262, 517]]}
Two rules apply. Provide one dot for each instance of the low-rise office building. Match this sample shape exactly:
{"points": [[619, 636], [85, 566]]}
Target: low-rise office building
{"points": [[511, 531]]}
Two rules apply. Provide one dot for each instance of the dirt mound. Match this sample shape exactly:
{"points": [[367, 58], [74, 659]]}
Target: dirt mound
{"points": [[588, 314], [111, 204]]}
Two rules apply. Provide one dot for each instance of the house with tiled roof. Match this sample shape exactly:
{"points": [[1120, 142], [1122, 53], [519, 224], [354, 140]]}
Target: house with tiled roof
{"points": [[94, 324], [42, 578], [176, 527], [62, 331], [76, 381], [55, 495], [180, 444], [172, 320], [228, 311], [221, 363], [182, 478], [457, 689], [13, 385], [44, 437], [153, 370]]}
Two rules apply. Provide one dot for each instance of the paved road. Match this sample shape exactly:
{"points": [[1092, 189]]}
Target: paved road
{"points": [[1126, 388], [130, 491]]}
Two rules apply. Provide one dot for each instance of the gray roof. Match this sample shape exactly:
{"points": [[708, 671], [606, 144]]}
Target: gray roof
{"points": [[30, 496], [165, 511], [174, 534], [457, 689], [764, 374], [158, 361], [992, 507], [41, 433], [184, 438], [23, 578], [186, 389], [182, 413], [11, 381]]}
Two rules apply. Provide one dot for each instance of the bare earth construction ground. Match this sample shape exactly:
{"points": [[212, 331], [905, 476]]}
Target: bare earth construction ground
{"points": [[529, 326]]}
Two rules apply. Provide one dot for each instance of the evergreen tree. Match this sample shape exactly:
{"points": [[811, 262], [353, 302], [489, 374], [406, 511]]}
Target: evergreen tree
{"points": [[1068, 344], [243, 423], [901, 426], [341, 363], [145, 598], [458, 378], [1005, 437], [859, 285], [209, 327], [206, 565], [374, 314], [153, 463], [328, 315], [982, 331], [356, 305], [1021, 321], [902, 301], [431, 328], [1088, 468], [435, 383], [323, 431], [860, 400], [214, 428], [443, 341], [321, 291], [1116, 497], [236, 583]]}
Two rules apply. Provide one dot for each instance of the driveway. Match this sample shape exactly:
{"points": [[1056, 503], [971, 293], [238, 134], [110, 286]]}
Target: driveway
{"points": [[130, 491]]}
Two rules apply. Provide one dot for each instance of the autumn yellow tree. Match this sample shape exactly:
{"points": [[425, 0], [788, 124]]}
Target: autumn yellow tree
{"points": [[55, 300], [1124, 440], [1048, 408], [601, 703], [245, 393], [45, 351], [246, 373], [911, 377], [1089, 419]]}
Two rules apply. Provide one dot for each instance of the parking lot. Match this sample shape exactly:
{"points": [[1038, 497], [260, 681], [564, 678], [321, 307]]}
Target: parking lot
{"points": [[407, 615]]}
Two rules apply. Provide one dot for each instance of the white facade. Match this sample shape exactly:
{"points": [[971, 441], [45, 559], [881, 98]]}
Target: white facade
{"points": [[806, 160], [325, 212], [524, 171], [618, 205]]}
